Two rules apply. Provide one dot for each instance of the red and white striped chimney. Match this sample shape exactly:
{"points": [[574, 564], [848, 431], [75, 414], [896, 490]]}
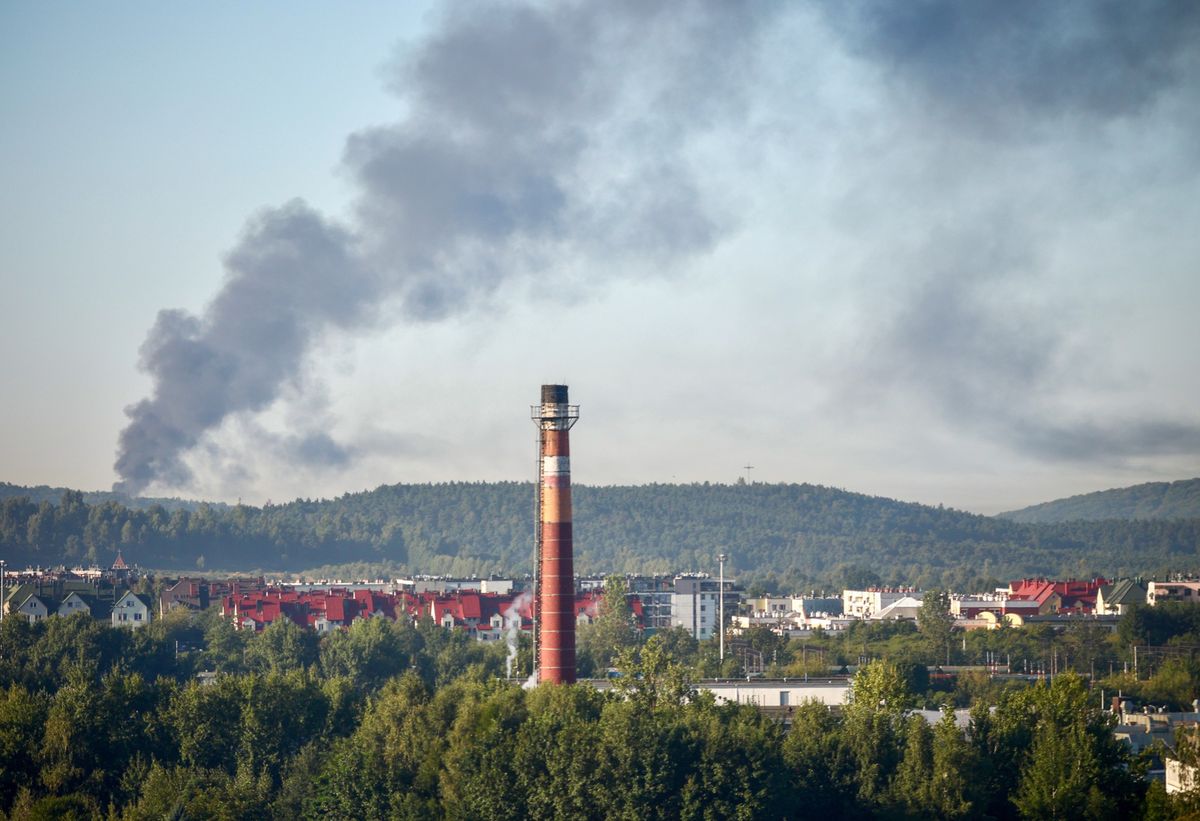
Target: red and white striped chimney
{"points": [[554, 581]]}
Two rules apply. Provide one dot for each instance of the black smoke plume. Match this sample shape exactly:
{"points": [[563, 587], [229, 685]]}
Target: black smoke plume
{"points": [[523, 139]]}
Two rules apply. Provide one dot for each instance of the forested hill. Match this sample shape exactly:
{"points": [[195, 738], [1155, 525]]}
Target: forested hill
{"points": [[800, 534], [1153, 500], [45, 493]]}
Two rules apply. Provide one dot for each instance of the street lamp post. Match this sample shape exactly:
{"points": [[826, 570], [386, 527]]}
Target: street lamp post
{"points": [[2, 604], [721, 604]]}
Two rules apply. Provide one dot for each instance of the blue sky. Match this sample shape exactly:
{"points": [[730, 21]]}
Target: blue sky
{"points": [[922, 251], [139, 138]]}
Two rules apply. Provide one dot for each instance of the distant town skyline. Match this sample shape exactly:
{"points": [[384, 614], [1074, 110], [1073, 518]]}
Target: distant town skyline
{"points": [[934, 252]]}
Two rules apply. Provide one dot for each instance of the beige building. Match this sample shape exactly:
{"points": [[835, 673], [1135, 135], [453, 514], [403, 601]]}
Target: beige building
{"points": [[1179, 777], [1186, 591]]}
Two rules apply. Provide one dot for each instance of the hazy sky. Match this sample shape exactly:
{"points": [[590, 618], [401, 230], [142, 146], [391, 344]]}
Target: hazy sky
{"points": [[937, 251]]}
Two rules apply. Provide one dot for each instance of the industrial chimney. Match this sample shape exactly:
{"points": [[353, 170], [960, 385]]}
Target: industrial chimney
{"points": [[554, 561]]}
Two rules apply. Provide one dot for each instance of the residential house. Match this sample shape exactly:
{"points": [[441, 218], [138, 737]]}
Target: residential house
{"points": [[1115, 599], [190, 593], [76, 602], [484, 616], [374, 604], [35, 608], [132, 610]]}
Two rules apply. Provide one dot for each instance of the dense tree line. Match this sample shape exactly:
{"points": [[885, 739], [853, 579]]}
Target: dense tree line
{"points": [[1152, 500], [45, 493], [391, 720], [785, 535]]}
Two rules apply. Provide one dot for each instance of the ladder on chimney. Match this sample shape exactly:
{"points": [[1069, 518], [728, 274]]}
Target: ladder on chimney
{"points": [[539, 501]]}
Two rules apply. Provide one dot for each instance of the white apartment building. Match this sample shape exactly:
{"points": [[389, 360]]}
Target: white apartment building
{"points": [[696, 604], [862, 604]]}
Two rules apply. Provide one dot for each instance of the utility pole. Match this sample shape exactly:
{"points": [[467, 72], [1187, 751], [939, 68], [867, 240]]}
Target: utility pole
{"points": [[721, 604], [3, 603]]}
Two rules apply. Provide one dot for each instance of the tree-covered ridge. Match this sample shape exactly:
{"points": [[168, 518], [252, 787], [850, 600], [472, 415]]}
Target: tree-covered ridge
{"points": [[45, 493], [1153, 500], [792, 535]]}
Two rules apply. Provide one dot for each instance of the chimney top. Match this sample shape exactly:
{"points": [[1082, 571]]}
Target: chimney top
{"points": [[554, 394]]}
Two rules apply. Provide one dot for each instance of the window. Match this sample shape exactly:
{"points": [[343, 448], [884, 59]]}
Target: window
{"points": [[783, 698], [137, 616]]}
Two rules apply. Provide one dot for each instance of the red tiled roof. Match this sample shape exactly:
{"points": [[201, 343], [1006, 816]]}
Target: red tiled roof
{"points": [[371, 602], [343, 606], [1075, 594], [592, 603], [468, 606], [335, 609]]}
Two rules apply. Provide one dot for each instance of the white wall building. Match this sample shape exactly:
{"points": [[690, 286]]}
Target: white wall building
{"points": [[74, 603], [1180, 777], [778, 693], [905, 607], [862, 604], [33, 608], [696, 602], [131, 611], [445, 584]]}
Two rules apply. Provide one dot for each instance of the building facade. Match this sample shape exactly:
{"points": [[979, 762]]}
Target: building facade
{"points": [[1185, 591], [131, 611], [862, 604], [695, 605]]}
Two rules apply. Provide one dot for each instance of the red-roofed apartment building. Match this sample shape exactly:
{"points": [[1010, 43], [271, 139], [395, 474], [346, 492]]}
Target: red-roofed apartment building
{"points": [[484, 616], [1069, 596]]}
